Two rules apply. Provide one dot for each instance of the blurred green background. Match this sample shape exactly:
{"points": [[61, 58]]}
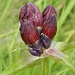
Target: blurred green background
{"points": [[10, 39]]}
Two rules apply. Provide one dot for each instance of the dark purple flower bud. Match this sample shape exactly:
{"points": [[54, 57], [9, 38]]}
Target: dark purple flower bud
{"points": [[29, 32], [36, 49], [32, 13], [50, 27], [46, 41], [34, 52], [49, 10], [30, 36], [49, 30], [37, 28]]}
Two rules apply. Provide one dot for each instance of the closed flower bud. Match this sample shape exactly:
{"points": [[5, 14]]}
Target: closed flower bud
{"points": [[37, 29], [36, 49], [32, 13], [30, 36], [49, 10], [49, 30], [29, 33]]}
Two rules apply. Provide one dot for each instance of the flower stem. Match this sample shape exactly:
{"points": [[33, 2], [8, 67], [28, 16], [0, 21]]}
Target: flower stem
{"points": [[45, 66]]}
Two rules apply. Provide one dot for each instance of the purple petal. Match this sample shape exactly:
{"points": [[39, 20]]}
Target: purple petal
{"points": [[46, 42]]}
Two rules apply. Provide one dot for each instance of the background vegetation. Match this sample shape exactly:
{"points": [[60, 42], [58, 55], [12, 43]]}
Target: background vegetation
{"points": [[10, 40]]}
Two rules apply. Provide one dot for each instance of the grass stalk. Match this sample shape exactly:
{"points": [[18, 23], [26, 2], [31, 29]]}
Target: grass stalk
{"points": [[66, 11], [5, 9]]}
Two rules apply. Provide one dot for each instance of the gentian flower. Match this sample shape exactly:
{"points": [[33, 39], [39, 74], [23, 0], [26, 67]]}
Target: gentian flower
{"points": [[37, 30]]}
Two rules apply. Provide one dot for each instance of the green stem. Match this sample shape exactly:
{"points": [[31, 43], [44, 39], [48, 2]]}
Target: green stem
{"points": [[45, 66]]}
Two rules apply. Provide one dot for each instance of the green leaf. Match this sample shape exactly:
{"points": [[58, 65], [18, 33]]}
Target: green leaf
{"points": [[65, 46], [58, 56], [26, 60], [61, 46]]}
